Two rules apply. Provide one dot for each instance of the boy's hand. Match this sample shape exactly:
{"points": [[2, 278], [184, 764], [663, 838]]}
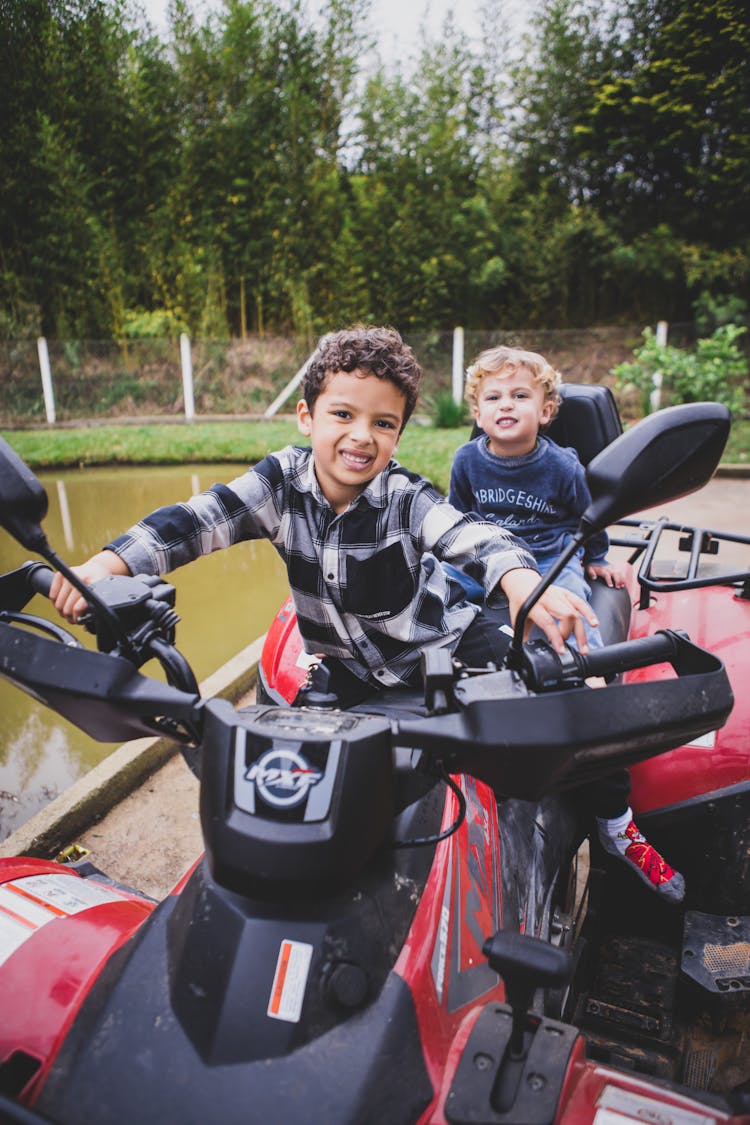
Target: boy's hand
{"points": [[558, 613], [67, 600], [612, 575]]}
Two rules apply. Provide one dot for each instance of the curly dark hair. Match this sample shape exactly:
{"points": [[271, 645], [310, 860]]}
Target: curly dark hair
{"points": [[379, 350]]}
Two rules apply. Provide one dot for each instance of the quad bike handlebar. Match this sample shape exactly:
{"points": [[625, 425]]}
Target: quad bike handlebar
{"points": [[523, 731], [478, 723]]}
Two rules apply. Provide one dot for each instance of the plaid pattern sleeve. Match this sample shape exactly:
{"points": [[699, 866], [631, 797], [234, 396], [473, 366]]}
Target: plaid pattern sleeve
{"points": [[367, 583]]}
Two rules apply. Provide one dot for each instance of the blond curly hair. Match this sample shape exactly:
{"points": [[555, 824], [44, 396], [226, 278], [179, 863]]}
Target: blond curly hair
{"points": [[505, 361]]}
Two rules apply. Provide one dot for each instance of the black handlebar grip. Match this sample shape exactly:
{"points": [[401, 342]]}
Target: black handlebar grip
{"points": [[546, 670], [39, 578], [624, 657]]}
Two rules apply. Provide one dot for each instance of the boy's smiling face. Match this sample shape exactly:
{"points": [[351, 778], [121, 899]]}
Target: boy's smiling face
{"points": [[511, 408], [354, 430]]}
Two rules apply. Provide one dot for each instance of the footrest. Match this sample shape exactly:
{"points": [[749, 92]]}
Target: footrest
{"points": [[716, 952]]}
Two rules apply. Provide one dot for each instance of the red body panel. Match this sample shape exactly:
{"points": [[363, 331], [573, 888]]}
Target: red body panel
{"points": [[45, 980], [281, 654], [441, 960], [717, 620]]}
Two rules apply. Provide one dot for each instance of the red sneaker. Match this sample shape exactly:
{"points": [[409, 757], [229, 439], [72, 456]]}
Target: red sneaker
{"points": [[646, 862]]}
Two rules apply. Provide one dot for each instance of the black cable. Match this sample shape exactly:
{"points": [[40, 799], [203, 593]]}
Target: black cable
{"points": [[424, 841]]}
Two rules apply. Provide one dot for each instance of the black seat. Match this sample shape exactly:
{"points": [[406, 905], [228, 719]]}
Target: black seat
{"points": [[588, 419]]}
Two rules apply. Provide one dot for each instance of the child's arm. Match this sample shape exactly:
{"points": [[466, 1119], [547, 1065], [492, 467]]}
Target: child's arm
{"points": [[248, 507], [558, 613], [66, 598], [595, 562], [460, 495]]}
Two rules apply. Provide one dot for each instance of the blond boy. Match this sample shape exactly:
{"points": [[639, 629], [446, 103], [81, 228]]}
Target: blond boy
{"points": [[515, 477]]}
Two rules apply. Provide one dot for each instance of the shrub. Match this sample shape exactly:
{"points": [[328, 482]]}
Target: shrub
{"points": [[713, 311], [145, 324], [714, 370], [448, 414]]}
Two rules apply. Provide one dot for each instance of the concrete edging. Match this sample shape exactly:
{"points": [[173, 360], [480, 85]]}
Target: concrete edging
{"points": [[89, 798], [737, 470]]}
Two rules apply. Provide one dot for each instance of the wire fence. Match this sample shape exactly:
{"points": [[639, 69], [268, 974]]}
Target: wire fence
{"points": [[136, 379]]}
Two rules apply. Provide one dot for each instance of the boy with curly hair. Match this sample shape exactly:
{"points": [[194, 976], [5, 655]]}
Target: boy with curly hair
{"points": [[514, 476], [364, 540]]}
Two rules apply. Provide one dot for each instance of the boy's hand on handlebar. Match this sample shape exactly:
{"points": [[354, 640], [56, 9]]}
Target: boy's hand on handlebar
{"points": [[67, 600], [558, 613]]}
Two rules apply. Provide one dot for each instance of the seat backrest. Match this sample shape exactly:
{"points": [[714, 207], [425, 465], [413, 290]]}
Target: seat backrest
{"points": [[588, 419]]}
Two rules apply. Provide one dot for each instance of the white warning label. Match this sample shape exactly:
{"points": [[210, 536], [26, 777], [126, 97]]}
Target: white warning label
{"points": [[618, 1106], [31, 902], [290, 981]]}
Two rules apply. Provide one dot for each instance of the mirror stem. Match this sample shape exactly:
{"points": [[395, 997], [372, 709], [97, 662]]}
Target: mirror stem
{"points": [[514, 654]]}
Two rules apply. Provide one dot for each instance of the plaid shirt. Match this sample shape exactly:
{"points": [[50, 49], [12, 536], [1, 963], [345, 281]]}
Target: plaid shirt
{"points": [[367, 583]]}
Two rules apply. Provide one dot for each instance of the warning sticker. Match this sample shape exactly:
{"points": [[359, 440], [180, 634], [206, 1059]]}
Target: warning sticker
{"points": [[705, 741], [290, 981], [31, 902], [618, 1106]]}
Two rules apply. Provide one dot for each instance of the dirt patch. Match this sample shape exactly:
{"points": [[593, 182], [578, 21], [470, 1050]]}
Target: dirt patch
{"points": [[150, 839]]}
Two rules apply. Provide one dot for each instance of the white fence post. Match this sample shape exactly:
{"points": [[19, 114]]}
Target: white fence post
{"points": [[654, 399], [186, 358], [458, 366], [46, 370], [291, 386]]}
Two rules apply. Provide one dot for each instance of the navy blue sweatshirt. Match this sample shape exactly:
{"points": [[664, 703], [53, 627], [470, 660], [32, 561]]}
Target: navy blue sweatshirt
{"points": [[538, 497]]}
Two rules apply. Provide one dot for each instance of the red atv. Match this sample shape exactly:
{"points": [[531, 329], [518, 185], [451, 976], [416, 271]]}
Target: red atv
{"points": [[386, 926]]}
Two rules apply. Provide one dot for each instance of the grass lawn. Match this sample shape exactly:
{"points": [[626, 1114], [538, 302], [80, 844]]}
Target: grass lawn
{"points": [[425, 449]]}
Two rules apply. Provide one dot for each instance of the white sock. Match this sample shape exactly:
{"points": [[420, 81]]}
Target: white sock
{"points": [[614, 829]]}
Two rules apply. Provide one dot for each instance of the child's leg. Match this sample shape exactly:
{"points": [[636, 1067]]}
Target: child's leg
{"points": [[485, 641], [620, 837]]}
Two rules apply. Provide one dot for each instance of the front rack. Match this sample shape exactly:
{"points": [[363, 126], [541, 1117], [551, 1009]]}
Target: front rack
{"points": [[696, 541]]}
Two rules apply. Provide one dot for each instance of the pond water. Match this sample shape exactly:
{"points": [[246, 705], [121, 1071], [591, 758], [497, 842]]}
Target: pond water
{"points": [[224, 601]]}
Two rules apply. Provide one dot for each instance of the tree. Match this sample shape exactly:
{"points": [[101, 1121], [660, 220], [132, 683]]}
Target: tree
{"points": [[417, 209], [667, 135]]}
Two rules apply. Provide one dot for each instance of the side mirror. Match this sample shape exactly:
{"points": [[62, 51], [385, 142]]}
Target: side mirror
{"points": [[665, 455], [23, 501]]}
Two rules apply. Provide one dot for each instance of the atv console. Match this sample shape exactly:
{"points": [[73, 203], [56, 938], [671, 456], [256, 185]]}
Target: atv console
{"points": [[299, 798]]}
